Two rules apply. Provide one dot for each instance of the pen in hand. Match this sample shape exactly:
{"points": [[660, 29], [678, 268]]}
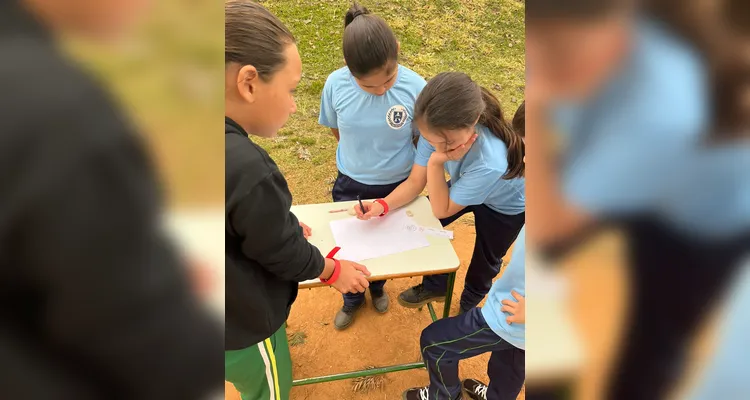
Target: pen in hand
{"points": [[361, 206]]}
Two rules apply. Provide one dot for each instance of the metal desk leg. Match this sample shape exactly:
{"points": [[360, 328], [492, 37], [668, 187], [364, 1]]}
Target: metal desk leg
{"points": [[432, 312], [449, 294]]}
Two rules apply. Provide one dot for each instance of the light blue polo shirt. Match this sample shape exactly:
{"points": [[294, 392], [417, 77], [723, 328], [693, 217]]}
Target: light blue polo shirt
{"points": [[513, 278], [375, 146], [711, 192], [625, 146], [639, 145], [477, 177], [727, 374]]}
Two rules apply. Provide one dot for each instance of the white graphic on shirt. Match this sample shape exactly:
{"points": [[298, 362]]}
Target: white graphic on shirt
{"points": [[397, 117]]}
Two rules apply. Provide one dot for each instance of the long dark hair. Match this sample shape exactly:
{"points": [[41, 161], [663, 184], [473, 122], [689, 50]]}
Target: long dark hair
{"points": [[519, 120], [369, 43], [452, 100], [714, 33], [254, 36]]}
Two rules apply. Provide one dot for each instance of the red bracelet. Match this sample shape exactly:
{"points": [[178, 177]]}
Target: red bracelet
{"points": [[385, 206], [336, 267], [335, 275]]}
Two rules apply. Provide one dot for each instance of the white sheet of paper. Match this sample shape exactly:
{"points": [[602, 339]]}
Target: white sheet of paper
{"points": [[378, 237]]}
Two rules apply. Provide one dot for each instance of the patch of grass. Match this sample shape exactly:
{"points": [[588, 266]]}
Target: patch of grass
{"points": [[305, 141], [169, 78], [297, 338], [483, 38], [367, 384]]}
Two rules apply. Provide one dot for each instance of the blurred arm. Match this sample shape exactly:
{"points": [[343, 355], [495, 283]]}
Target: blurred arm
{"points": [[117, 301], [551, 218]]}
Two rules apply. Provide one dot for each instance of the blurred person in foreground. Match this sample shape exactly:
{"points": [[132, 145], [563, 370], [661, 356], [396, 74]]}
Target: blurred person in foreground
{"points": [[726, 377], [619, 114], [94, 301], [267, 253]]}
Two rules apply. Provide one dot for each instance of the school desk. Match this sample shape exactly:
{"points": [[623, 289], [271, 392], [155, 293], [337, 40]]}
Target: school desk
{"points": [[437, 258], [554, 356]]}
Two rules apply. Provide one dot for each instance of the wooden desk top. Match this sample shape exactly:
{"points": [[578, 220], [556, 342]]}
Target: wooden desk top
{"points": [[437, 258]]}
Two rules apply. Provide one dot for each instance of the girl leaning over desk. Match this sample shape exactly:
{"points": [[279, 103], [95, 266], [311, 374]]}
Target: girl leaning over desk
{"points": [[463, 131]]}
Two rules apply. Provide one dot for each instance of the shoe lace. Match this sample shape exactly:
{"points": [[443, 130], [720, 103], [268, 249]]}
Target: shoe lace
{"points": [[481, 390], [424, 393]]}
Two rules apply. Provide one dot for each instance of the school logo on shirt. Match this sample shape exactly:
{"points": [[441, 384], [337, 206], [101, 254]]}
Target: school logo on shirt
{"points": [[397, 117]]}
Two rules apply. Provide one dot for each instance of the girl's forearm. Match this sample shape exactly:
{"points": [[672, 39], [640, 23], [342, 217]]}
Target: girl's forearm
{"points": [[403, 194], [409, 189], [438, 188]]}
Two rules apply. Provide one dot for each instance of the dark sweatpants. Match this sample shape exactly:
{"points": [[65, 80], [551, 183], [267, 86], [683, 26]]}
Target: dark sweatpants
{"points": [[448, 340], [496, 232], [675, 281], [347, 189]]}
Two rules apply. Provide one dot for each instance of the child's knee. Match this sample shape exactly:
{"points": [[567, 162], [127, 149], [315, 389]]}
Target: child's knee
{"points": [[427, 340]]}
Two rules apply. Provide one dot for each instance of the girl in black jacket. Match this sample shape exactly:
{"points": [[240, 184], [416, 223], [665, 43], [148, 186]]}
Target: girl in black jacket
{"points": [[267, 254]]}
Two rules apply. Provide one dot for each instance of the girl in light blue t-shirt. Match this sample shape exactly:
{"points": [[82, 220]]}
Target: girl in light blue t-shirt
{"points": [[463, 132], [368, 104]]}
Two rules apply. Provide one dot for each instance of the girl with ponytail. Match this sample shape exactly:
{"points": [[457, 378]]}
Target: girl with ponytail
{"points": [[369, 106], [464, 133]]}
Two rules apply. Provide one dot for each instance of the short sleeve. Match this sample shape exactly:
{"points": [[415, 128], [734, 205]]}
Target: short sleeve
{"points": [[624, 173], [328, 115], [423, 153], [474, 186]]}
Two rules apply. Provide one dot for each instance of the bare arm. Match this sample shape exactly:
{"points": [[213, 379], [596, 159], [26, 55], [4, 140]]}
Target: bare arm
{"points": [[551, 217], [442, 205], [400, 196], [335, 132]]}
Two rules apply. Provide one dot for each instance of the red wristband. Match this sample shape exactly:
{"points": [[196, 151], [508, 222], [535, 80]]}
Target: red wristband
{"points": [[336, 267], [385, 206], [335, 275]]}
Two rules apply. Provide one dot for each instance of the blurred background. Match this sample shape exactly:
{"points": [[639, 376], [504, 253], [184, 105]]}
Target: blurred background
{"points": [[166, 75], [581, 301]]}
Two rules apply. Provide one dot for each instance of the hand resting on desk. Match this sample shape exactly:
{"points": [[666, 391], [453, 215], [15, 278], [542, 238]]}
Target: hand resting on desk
{"points": [[352, 278], [306, 230]]}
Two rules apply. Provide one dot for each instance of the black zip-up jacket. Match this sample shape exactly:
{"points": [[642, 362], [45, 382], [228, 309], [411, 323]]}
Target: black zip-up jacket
{"points": [[94, 302], [266, 253]]}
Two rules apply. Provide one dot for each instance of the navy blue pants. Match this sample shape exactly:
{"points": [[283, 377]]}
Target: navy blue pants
{"points": [[675, 283], [496, 232], [347, 189], [448, 340]]}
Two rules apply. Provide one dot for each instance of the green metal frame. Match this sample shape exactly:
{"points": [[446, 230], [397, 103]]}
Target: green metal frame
{"points": [[392, 368]]}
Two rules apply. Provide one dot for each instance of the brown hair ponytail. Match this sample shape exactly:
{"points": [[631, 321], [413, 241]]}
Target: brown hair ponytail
{"points": [[451, 100], [492, 118]]}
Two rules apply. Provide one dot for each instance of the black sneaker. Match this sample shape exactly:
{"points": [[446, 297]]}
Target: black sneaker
{"points": [[417, 296], [474, 390], [417, 394], [345, 316]]}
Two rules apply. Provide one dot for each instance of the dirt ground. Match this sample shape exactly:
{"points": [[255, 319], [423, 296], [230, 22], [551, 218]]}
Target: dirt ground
{"points": [[598, 303], [372, 340]]}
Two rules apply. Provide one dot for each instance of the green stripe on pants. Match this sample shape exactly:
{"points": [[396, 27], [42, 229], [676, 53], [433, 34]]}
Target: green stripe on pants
{"points": [[262, 371]]}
